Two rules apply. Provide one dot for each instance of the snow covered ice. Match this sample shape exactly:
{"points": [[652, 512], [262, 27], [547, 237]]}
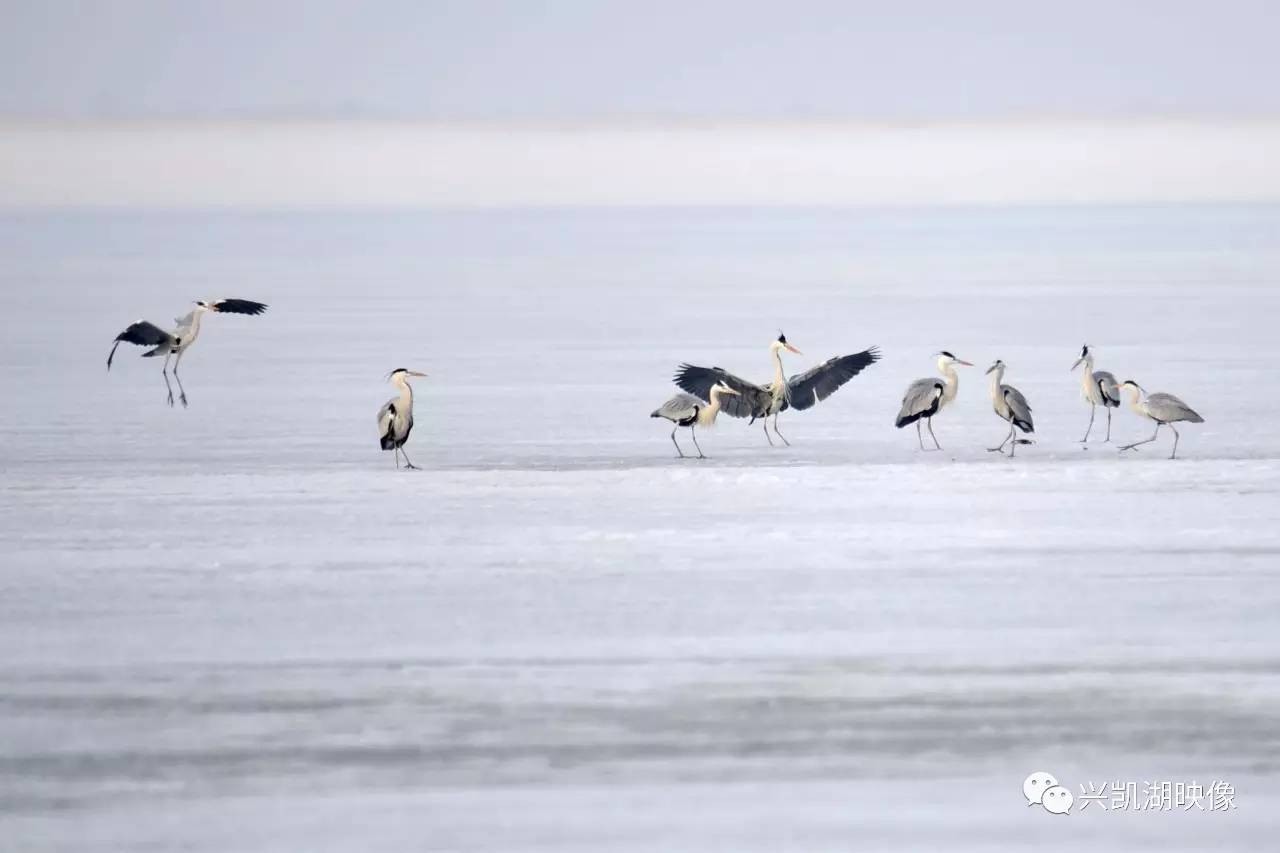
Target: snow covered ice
{"points": [[236, 626]]}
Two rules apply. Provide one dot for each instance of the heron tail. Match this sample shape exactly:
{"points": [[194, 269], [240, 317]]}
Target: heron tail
{"points": [[656, 413]]}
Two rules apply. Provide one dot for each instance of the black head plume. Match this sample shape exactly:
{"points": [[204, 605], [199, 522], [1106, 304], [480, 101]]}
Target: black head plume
{"points": [[1084, 350], [947, 354], [782, 339]]}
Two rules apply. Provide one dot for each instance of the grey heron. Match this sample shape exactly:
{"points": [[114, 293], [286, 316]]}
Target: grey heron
{"points": [[1099, 388], [1164, 409], [1012, 406], [395, 418], [801, 391], [686, 410], [926, 397], [177, 342]]}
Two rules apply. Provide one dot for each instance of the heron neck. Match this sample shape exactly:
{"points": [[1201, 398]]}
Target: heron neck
{"points": [[1135, 401], [707, 414], [997, 379], [953, 383], [406, 391], [1086, 378]]}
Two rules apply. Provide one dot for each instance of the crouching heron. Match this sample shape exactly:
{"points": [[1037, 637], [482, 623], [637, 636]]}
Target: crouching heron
{"points": [[395, 418], [686, 410], [1164, 409], [177, 342]]}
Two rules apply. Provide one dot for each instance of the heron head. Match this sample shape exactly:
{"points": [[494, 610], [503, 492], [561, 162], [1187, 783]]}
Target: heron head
{"points": [[946, 359], [1133, 386], [781, 344], [401, 373], [998, 365], [200, 303], [1084, 356]]}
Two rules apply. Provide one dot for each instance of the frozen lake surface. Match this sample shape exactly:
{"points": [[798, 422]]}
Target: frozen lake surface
{"points": [[236, 627]]}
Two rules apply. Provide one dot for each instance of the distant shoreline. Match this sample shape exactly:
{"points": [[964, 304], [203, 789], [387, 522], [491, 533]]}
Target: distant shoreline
{"points": [[362, 163]]}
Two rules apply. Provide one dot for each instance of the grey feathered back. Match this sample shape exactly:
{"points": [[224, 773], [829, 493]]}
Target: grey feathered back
{"points": [[1170, 409]]}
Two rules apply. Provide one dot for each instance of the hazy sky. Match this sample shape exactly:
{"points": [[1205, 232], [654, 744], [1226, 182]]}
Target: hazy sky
{"points": [[550, 59]]}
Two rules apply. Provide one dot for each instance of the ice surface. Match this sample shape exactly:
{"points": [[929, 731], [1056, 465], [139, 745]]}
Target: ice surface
{"points": [[237, 627]]}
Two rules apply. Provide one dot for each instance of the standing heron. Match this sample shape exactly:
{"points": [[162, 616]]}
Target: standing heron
{"points": [[926, 397], [1012, 406], [1099, 388], [1164, 409], [801, 391], [686, 410], [178, 341], [395, 418]]}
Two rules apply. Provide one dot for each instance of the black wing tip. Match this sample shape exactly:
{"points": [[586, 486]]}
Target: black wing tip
{"points": [[241, 306]]}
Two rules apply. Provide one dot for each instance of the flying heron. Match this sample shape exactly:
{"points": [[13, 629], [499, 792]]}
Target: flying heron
{"points": [[801, 391], [1012, 406], [1164, 409], [926, 397], [178, 341], [395, 418], [686, 410], [1099, 388]]}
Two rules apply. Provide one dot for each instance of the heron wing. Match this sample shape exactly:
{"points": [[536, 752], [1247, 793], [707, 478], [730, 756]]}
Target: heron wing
{"points": [[238, 306], [1019, 408], [679, 407], [1169, 408], [143, 334], [922, 396], [819, 383], [1108, 386], [699, 381]]}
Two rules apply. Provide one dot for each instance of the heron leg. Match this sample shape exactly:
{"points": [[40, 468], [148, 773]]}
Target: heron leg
{"points": [[1092, 411], [1013, 448], [1174, 454], [676, 443], [164, 371], [1154, 436], [919, 437], [780, 435], [396, 456], [1108, 438], [407, 464], [929, 423], [765, 422], [694, 434], [182, 392], [1000, 449]]}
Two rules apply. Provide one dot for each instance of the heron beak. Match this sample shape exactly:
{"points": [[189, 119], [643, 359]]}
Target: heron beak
{"points": [[965, 363], [415, 373], [991, 368], [793, 349], [1078, 362]]}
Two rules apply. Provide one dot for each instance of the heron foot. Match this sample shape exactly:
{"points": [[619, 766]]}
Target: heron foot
{"points": [[1128, 447], [409, 466], [995, 450], [183, 398]]}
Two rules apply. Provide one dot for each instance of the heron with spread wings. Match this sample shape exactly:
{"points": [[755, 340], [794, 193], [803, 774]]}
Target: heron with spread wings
{"points": [[801, 391], [177, 342]]}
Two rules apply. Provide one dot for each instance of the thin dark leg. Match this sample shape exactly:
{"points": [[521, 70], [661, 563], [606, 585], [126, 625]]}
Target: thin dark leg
{"points": [[164, 371], [1154, 436], [694, 434], [1000, 449], [182, 392], [1174, 454], [407, 463], [765, 422], [929, 423], [1013, 448], [919, 437], [1108, 425], [1092, 410], [676, 443], [780, 435]]}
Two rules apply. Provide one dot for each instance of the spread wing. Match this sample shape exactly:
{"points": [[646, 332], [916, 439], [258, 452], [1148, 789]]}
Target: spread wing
{"points": [[750, 401], [1019, 407], [819, 383], [238, 306], [143, 334]]}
